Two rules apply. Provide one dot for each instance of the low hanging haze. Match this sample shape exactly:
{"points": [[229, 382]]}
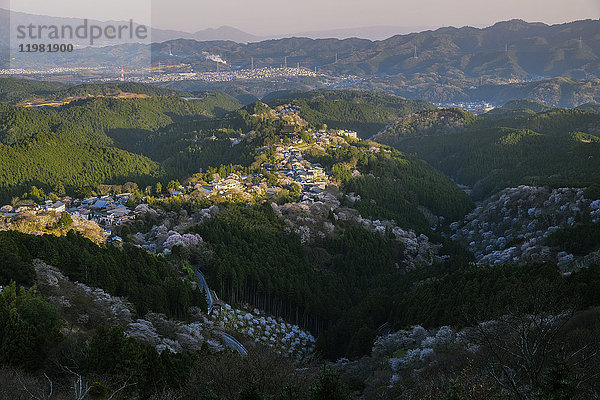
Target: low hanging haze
{"points": [[271, 18]]}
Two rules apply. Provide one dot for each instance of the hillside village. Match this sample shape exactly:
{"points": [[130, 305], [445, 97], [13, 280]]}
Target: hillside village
{"points": [[281, 169], [107, 213], [288, 171]]}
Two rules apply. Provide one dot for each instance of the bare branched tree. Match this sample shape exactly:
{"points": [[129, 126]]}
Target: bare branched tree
{"points": [[80, 386], [38, 394], [530, 339], [124, 386]]}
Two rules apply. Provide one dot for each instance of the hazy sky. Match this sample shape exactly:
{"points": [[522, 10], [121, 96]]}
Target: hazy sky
{"points": [[265, 17]]}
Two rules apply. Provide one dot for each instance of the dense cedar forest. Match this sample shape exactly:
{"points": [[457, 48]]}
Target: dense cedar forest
{"points": [[151, 283], [48, 159], [556, 147], [254, 261], [393, 185], [94, 141]]}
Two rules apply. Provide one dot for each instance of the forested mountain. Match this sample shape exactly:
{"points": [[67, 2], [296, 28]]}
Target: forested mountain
{"points": [[81, 144], [18, 90], [555, 92], [526, 104], [39, 93], [365, 112], [507, 49], [46, 159], [426, 123], [591, 107], [384, 101], [115, 88], [555, 147], [517, 108], [393, 185], [99, 120]]}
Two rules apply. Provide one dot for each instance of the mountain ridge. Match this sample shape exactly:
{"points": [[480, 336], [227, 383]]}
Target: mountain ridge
{"points": [[503, 50]]}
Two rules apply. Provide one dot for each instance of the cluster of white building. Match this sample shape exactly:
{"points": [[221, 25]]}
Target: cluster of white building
{"points": [[106, 210]]}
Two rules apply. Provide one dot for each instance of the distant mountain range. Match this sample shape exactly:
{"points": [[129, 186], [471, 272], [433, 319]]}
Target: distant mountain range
{"points": [[509, 60], [157, 35], [512, 49], [229, 33], [380, 32], [445, 65]]}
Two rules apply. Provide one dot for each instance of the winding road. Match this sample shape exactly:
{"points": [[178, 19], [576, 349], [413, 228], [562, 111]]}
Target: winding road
{"points": [[202, 282], [233, 344], [229, 340]]}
